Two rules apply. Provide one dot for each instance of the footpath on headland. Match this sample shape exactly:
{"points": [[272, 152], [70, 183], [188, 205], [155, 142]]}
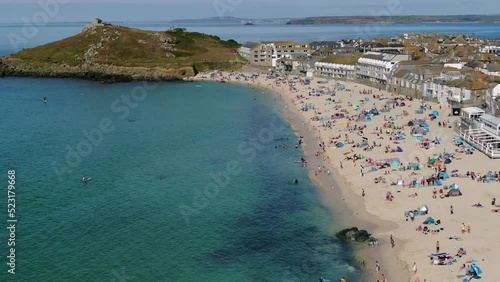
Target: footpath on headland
{"points": [[400, 171]]}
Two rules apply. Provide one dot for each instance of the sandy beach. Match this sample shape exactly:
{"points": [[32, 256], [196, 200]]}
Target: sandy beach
{"points": [[372, 167]]}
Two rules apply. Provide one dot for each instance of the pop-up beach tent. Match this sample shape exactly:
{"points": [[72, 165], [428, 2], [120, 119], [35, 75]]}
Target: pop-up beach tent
{"points": [[474, 270], [424, 209], [443, 175], [429, 220], [400, 149], [395, 163], [454, 191]]}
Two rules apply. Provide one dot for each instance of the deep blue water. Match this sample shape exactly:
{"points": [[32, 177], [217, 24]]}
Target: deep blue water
{"points": [[187, 185]]}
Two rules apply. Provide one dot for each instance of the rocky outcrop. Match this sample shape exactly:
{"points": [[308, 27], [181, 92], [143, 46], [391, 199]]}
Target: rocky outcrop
{"points": [[355, 234], [103, 73]]}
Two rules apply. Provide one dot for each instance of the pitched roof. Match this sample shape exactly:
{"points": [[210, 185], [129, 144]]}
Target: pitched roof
{"points": [[346, 59], [401, 73]]}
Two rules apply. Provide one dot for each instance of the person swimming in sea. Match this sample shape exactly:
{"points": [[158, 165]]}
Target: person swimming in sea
{"points": [[296, 181]]}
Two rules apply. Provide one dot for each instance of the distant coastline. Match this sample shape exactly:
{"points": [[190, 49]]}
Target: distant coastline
{"points": [[352, 19]]}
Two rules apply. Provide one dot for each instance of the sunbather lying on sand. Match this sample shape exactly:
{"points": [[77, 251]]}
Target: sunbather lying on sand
{"points": [[495, 210]]}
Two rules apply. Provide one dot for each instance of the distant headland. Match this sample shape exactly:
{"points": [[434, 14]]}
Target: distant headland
{"points": [[352, 19], [112, 53], [397, 19]]}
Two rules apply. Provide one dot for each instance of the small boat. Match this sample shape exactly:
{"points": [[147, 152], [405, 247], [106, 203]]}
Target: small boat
{"points": [[249, 23], [45, 100], [86, 179]]}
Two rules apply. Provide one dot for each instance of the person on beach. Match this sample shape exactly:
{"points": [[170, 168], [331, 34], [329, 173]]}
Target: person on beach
{"points": [[451, 210], [377, 266], [363, 192], [392, 241], [463, 228], [468, 228], [437, 247], [414, 268]]}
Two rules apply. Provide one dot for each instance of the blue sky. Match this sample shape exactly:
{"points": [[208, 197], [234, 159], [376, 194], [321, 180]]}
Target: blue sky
{"points": [[128, 10]]}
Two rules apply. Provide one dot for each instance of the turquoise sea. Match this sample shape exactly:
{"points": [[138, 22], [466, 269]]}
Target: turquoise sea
{"points": [[187, 182], [187, 185]]}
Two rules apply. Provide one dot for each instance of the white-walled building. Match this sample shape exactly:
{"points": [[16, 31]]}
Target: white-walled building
{"points": [[342, 71], [493, 100], [378, 67], [491, 48], [267, 53]]}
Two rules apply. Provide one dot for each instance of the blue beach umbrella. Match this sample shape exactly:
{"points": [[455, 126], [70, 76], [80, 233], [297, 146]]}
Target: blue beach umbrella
{"points": [[435, 113]]}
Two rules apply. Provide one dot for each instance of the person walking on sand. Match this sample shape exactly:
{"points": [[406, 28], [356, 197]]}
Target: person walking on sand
{"points": [[377, 266], [392, 241], [451, 210], [437, 247], [463, 228], [468, 228], [414, 267]]}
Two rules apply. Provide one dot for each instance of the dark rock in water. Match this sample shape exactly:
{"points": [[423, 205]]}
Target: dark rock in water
{"points": [[354, 234], [361, 236]]}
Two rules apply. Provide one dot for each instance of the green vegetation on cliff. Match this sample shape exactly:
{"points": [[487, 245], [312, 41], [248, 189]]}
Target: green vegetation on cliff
{"points": [[101, 47]]}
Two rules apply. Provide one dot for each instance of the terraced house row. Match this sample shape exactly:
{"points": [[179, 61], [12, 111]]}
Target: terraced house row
{"points": [[460, 69]]}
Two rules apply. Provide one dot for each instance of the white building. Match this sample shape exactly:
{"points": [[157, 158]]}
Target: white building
{"points": [[493, 99], [342, 71], [378, 67], [481, 130], [490, 48]]}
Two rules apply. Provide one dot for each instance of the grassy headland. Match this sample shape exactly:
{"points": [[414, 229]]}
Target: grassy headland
{"points": [[134, 53]]}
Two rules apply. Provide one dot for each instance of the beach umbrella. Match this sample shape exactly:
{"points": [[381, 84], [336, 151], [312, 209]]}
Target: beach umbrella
{"points": [[395, 163], [425, 124], [455, 170], [469, 147], [447, 161], [435, 113]]}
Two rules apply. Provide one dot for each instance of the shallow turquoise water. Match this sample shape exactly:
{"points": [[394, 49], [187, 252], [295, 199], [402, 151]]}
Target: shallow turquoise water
{"points": [[159, 206]]}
